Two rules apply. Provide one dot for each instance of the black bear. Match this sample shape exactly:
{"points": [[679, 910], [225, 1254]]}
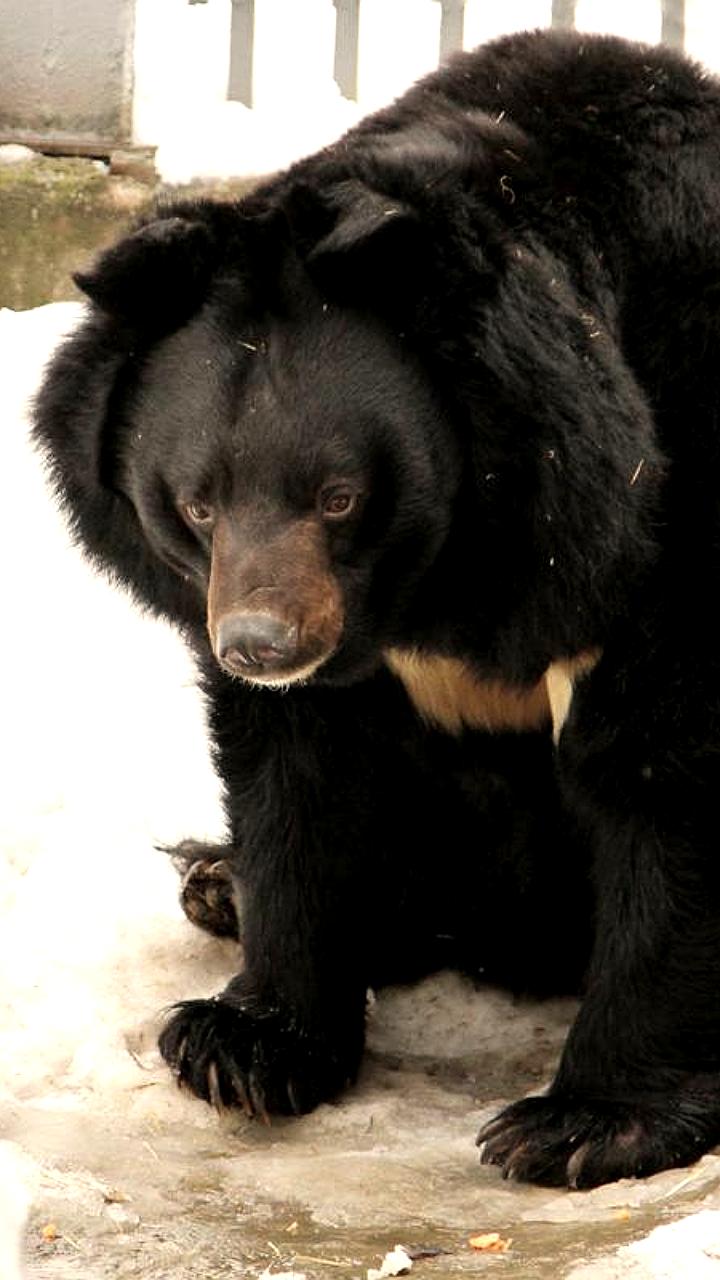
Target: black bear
{"points": [[419, 443]]}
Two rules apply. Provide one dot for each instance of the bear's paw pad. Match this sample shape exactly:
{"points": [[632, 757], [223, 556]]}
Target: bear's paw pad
{"points": [[207, 896]]}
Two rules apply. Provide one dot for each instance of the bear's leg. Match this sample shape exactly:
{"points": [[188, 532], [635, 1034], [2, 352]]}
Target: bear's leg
{"points": [[638, 1088], [305, 774], [369, 849]]}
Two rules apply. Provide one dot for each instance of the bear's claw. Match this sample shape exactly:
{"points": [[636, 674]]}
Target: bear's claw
{"points": [[259, 1061], [561, 1140]]}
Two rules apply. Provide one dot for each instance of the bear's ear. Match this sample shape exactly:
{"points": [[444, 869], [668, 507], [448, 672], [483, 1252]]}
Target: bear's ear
{"points": [[154, 279], [351, 236], [342, 216], [363, 217], [410, 218]]}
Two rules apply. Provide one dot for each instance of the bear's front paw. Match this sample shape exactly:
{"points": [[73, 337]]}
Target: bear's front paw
{"points": [[568, 1140], [259, 1059]]}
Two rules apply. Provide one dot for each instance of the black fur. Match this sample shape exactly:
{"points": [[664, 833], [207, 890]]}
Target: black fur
{"points": [[496, 305]]}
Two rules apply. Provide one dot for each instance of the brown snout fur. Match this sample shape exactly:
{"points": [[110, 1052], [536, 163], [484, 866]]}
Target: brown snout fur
{"points": [[283, 572]]}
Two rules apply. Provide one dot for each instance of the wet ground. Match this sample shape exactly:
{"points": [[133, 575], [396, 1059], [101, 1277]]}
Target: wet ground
{"points": [[154, 1185], [102, 757]]}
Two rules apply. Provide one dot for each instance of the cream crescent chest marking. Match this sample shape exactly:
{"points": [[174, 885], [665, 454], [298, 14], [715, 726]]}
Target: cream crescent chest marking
{"points": [[446, 693], [561, 678]]}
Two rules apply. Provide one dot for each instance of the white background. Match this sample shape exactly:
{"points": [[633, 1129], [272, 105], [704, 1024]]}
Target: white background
{"points": [[181, 69]]}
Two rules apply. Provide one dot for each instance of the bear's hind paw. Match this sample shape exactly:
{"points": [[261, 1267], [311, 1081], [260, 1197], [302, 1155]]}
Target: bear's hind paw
{"points": [[208, 897]]}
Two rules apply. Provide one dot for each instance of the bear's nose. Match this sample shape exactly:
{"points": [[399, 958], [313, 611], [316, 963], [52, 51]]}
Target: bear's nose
{"points": [[255, 640]]}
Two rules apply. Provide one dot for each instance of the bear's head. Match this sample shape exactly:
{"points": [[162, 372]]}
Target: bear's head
{"points": [[289, 459], [365, 407], [246, 451]]}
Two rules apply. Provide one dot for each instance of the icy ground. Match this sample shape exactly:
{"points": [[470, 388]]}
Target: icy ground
{"points": [[103, 756]]}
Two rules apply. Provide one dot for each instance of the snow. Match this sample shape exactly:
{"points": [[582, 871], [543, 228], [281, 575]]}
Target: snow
{"points": [[103, 753], [689, 1249], [68, 833]]}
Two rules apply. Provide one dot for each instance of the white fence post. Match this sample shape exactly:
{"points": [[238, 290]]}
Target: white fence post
{"points": [[452, 27], [563, 13], [242, 49], [673, 23], [347, 42]]}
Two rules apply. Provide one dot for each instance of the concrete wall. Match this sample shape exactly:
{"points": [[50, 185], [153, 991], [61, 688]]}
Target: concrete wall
{"points": [[66, 67]]}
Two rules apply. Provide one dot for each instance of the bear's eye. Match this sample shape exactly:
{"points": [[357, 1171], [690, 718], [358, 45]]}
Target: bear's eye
{"points": [[198, 513], [337, 502]]}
